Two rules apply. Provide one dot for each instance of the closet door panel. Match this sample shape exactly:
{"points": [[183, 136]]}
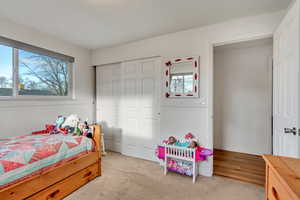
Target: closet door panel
{"points": [[140, 105], [108, 104]]}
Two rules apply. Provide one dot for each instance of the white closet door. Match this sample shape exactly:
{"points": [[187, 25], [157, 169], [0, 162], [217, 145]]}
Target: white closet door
{"points": [[140, 107], [286, 85], [108, 104]]}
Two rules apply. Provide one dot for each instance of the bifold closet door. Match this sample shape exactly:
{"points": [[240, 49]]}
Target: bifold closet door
{"points": [[109, 104], [140, 107]]}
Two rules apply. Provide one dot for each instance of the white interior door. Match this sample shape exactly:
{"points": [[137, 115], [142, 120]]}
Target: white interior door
{"points": [[286, 85], [140, 107], [108, 104]]}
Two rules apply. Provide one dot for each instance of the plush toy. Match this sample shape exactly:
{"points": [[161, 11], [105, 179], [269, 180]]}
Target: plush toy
{"points": [[71, 123], [88, 130], [52, 129], [81, 127], [59, 121], [189, 136]]}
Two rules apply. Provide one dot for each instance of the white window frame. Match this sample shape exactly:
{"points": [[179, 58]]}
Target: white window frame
{"points": [[15, 78]]}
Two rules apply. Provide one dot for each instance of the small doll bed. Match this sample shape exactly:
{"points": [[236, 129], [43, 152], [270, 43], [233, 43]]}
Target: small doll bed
{"points": [[181, 158]]}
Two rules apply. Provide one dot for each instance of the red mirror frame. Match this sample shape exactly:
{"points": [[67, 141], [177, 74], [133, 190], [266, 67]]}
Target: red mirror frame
{"points": [[196, 75]]}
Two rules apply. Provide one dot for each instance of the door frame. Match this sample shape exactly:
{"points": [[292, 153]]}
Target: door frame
{"points": [[212, 45]]}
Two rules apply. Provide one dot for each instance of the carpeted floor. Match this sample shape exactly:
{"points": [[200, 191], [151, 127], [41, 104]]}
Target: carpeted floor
{"points": [[126, 178]]}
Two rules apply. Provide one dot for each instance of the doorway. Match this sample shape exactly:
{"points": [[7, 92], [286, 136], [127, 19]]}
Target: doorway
{"points": [[242, 109]]}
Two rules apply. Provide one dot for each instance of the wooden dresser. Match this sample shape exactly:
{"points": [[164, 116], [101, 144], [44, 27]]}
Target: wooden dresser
{"points": [[282, 178]]}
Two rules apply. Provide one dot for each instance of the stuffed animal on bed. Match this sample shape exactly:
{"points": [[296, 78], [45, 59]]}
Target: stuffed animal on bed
{"points": [[59, 121], [71, 124]]}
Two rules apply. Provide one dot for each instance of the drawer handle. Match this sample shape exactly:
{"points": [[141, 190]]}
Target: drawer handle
{"points": [[53, 194], [275, 194], [87, 174]]}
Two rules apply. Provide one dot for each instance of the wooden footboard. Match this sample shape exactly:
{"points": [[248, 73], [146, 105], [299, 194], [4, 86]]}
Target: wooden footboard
{"points": [[60, 181]]}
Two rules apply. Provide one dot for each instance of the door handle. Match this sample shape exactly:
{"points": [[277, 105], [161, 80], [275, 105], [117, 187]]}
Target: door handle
{"points": [[290, 130]]}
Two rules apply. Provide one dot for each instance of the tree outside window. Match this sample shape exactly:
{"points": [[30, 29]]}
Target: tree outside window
{"points": [[24, 73]]}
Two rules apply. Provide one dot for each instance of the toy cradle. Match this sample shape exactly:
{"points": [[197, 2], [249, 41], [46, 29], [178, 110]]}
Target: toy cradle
{"points": [[182, 153]]}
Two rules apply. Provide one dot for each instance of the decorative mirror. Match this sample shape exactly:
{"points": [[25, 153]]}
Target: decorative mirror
{"points": [[182, 77]]}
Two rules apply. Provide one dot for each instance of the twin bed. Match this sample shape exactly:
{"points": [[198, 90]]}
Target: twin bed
{"points": [[48, 166]]}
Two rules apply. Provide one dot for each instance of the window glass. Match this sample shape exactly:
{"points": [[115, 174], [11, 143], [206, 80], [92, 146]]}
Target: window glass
{"points": [[6, 71], [41, 75]]}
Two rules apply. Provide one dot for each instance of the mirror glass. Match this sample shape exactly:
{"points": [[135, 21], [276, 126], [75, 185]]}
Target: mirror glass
{"points": [[181, 78]]}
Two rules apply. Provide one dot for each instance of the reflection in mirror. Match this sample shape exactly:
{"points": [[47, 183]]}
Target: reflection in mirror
{"points": [[182, 83]]}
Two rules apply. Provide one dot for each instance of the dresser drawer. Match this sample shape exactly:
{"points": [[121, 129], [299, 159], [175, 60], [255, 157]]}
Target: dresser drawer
{"points": [[276, 190], [68, 185]]}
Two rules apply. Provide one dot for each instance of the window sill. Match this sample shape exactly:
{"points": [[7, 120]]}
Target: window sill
{"points": [[58, 106], [37, 98]]}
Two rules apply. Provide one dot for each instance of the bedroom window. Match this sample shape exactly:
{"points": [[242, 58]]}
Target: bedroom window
{"points": [[27, 72], [42, 75]]}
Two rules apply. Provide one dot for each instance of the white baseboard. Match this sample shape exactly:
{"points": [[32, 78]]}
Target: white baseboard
{"points": [[137, 152]]}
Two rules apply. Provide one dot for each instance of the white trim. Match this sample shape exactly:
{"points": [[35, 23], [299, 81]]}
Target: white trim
{"points": [[243, 39], [48, 104], [71, 89], [15, 79]]}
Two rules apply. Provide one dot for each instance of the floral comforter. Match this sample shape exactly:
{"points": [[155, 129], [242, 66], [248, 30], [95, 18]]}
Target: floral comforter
{"points": [[26, 156]]}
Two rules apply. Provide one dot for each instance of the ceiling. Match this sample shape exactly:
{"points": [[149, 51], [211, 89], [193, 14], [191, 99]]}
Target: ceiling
{"points": [[102, 23]]}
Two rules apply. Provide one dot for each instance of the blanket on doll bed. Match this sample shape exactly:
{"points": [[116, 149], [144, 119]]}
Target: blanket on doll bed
{"points": [[26, 156]]}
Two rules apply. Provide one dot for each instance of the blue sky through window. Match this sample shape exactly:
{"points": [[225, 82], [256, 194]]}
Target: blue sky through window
{"points": [[38, 74], [6, 70], [6, 61]]}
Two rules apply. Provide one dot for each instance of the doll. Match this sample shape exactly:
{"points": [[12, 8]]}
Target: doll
{"points": [[193, 144], [71, 124], [172, 140]]}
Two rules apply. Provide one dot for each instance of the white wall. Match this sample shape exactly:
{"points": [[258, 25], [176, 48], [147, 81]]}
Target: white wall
{"points": [[21, 117], [181, 116], [243, 97]]}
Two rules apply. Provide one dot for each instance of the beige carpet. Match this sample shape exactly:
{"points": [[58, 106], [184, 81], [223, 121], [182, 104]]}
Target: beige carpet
{"points": [[126, 178]]}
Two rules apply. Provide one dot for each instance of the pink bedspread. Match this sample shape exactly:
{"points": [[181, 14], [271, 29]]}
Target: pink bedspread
{"points": [[25, 156]]}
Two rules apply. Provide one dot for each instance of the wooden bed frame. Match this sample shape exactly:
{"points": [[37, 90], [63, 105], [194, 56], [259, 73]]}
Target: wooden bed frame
{"points": [[59, 182]]}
